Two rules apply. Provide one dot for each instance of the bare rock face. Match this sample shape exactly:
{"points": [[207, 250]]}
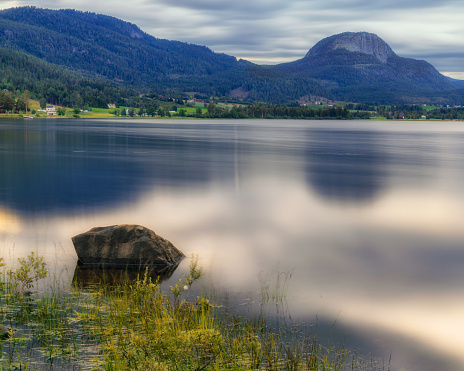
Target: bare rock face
{"points": [[362, 42], [124, 246]]}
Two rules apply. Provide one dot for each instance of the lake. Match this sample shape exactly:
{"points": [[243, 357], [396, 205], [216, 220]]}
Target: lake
{"points": [[361, 221]]}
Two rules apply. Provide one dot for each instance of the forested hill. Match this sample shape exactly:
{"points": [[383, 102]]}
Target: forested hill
{"points": [[106, 47], [58, 85]]}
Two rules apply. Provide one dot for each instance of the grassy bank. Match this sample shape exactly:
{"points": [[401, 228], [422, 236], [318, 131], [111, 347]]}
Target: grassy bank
{"points": [[136, 326]]}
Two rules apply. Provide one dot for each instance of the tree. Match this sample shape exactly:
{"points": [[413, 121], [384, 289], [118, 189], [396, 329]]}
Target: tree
{"points": [[7, 102], [151, 111], [141, 112], [20, 104], [78, 101], [26, 95], [43, 103], [61, 111], [211, 108]]}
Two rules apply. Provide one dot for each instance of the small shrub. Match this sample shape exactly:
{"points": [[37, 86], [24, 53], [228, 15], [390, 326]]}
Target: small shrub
{"points": [[32, 269]]}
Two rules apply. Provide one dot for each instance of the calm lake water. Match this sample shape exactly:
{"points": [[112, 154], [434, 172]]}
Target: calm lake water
{"points": [[366, 217]]}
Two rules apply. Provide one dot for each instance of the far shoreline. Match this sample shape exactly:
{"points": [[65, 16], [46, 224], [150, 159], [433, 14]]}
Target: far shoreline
{"points": [[108, 117]]}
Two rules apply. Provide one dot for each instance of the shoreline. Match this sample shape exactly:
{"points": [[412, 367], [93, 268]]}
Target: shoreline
{"points": [[112, 117]]}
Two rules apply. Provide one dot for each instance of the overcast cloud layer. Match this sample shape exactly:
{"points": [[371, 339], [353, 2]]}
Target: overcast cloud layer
{"points": [[274, 31]]}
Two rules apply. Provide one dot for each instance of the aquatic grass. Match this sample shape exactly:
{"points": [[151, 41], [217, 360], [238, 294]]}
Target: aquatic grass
{"points": [[274, 285], [45, 333], [135, 325]]}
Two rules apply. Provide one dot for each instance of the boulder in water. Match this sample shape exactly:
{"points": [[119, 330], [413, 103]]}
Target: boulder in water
{"points": [[125, 245]]}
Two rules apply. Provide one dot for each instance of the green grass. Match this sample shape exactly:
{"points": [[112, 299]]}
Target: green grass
{"points": [[102, 110], [193, 110], [200, 105], [136, 326]]}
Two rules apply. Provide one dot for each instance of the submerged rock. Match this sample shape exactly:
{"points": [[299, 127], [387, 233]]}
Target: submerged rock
{"points": [[125, 245]]}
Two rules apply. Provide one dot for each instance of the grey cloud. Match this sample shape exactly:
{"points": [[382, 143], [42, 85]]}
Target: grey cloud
{"points": [[389, 4], [243, 8], [274, 29], [446, 64]]}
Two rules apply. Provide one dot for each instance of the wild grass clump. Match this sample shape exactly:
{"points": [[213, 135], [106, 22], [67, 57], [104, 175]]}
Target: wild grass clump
{"points": [[137, 326]]}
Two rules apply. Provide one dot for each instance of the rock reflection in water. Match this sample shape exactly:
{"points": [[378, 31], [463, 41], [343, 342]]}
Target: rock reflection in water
{"points": [[91, 275]]}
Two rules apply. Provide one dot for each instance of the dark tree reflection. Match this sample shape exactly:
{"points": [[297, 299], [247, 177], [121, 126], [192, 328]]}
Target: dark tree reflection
{"points": [[347, 166]]}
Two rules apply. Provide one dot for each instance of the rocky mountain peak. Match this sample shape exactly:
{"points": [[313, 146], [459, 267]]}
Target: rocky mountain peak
{"points": [[362, 42]]}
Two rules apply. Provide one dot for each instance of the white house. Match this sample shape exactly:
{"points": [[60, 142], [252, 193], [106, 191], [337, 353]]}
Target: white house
{"points": [[111, 105], [51, 111]]}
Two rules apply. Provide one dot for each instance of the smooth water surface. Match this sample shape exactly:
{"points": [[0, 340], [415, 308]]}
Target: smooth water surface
{"points": [[366, 217]]}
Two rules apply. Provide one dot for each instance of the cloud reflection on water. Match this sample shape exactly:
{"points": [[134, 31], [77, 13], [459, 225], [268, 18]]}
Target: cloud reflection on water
{"points": [[9, 221], [378, 246], [357, 264]]}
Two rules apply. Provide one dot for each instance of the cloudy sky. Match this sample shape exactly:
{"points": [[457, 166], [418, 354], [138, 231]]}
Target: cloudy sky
{"points": [[274, 31]]}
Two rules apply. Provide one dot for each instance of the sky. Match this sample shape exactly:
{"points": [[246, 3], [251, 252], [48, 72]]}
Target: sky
{"points": [[276, 31]]}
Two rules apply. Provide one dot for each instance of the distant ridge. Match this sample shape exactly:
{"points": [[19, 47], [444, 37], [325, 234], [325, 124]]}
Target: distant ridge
{"points": [[351, 66], [103, 45]]}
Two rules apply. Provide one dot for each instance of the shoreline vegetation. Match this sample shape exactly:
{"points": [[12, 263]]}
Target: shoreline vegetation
{"points": [[178, 108], [136, 326]]}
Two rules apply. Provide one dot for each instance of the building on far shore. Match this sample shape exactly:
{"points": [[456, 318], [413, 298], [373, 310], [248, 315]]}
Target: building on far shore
{"points": [[51, 111], [111, 105]]}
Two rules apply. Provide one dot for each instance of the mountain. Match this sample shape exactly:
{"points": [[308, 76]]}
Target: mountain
{"points": [[360, 67], [110, 55], [101, 46]]}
